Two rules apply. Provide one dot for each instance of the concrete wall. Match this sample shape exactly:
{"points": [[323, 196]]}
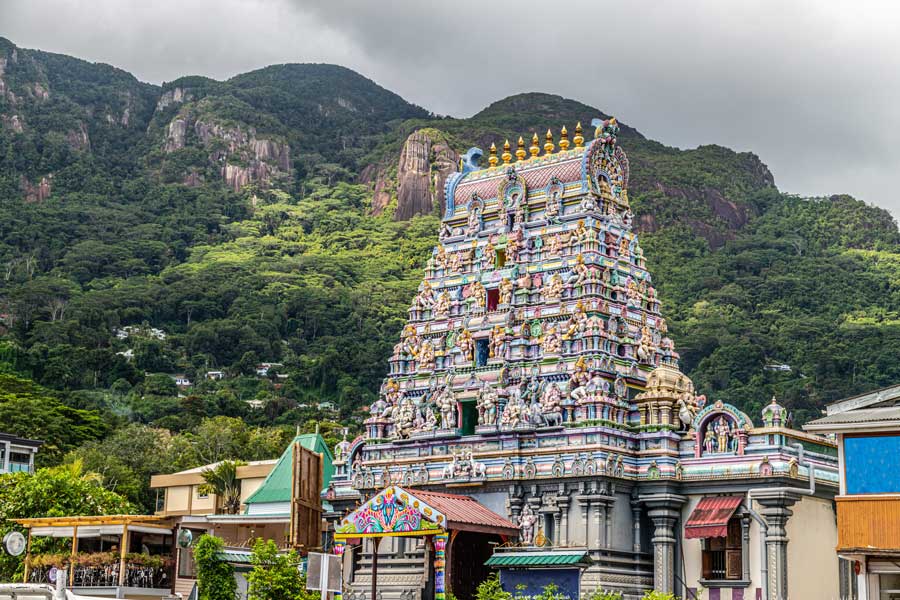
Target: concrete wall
{"points": [[812, 560], [178, 498], [249, 486]]}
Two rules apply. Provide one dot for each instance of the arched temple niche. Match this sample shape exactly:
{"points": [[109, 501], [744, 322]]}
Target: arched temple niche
{"points": [[720, 429]]}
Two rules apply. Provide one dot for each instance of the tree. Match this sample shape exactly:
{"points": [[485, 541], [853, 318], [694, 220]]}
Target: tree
{"points": [[65, 490], [222, 480], [215, 577], [275, 576]]}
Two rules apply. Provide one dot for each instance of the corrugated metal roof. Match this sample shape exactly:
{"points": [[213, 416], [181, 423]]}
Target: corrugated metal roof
{"points": [[860, 415], [277, 486], [710, 517], [538, 559], [234, 556], [464, 510]]}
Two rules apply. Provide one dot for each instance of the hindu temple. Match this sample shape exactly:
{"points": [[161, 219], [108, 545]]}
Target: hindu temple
{"points": [[534, 420]]}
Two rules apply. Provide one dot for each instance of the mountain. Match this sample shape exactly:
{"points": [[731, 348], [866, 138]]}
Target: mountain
{"points": [[285, 215]]}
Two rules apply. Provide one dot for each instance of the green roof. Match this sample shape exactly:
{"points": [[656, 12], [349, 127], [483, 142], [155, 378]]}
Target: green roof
{"points": [[277, 486], [234, 556], [539, 559]]}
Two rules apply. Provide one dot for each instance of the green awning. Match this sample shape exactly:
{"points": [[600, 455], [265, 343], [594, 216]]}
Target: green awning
{"points": [[539, 559], [234, 556]]}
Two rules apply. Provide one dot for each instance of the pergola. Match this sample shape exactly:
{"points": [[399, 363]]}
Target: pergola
{"points": [[94, 526], [397, 512]]}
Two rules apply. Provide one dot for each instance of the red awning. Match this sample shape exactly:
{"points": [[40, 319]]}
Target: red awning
{"points": [[710, 517]]}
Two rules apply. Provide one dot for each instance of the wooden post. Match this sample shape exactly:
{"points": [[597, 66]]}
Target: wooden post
{"points": [[375, 542], [295, 478], [28, 557], [72, 556], [123, 549]]}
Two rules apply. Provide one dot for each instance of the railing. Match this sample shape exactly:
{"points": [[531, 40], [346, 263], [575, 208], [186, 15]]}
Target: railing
{"points": [[107, 575], [871, 522]]}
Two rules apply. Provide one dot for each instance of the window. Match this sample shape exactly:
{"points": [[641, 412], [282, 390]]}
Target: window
{"points": [[201, 496], [493, 299], [722, 556], [481, 352], [500, 259]]}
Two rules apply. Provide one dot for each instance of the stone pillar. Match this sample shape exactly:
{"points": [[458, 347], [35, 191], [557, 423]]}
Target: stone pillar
{"points": [[5, 464], [776, 511], [598, 520], [636, 524], [563, 503], [609, 515], [585, 503], [556, 523], [663, 509], [440, 547], [339, 546], [745, 547]]}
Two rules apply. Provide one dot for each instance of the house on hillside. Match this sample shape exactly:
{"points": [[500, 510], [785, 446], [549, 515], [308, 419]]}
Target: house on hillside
{"points": [[17, 453], [262, 369], [868, 506]]}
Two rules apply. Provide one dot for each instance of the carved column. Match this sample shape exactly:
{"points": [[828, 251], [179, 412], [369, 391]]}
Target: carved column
{"points": [[585, 503], [636, 524], [563, 503], [609, 520], [745, 547], [776, 511], [556, 523], [663, 509], [598, 520]]}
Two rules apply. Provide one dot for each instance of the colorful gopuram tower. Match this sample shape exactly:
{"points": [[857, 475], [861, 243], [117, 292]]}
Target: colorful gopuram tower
{"points": [[535, 376]]}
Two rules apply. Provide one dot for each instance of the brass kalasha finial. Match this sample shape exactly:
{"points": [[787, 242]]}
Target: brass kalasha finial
{"points": [[520, 151], [578, 139], [492, 159], [506, 156], [564, 139], [548, 145], [534, 148]]}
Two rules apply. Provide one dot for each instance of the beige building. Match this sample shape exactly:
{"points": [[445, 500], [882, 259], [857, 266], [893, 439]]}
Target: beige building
{"points": [[179, 494]]}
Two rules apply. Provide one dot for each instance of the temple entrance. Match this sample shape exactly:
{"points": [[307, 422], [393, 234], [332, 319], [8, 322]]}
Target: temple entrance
{"points": [[467, 568], [438, 517]]}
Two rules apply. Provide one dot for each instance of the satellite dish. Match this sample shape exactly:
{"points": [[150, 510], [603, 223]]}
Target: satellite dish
{"points": [[15, 543], [185, 537]]}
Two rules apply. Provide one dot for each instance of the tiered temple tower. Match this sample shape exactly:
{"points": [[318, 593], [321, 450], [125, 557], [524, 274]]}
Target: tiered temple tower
{"points": [[535, 375]]}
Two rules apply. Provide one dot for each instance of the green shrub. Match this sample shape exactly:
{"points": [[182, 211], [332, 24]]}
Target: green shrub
{"points": [[215, 577], [490, 589], [654, 595], [601, 595]]}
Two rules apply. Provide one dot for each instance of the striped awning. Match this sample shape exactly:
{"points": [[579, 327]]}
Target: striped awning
{"points": [[710, 517], [540, 559]]}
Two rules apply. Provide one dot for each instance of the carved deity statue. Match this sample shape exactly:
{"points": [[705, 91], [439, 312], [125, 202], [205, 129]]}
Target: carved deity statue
{"points": [[553, 289], [505, 289], [551, 342], [441, 307], [527, 523], [497, 343], [466, 344], [487, 404], [445, 402], [474, 224], [426, 355]]}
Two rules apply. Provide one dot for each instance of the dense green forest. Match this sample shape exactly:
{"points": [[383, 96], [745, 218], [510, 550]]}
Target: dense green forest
{"points": [[153, 231]]}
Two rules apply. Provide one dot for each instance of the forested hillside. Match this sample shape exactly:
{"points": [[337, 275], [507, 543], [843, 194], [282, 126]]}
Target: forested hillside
{"points": [[285, 215]]}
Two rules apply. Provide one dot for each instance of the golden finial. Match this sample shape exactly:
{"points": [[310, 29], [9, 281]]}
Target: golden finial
{"points": [[564, 139], [534, 148], [492, 159], [578, 139], [548, 145], [520, 151], [506, 156]]}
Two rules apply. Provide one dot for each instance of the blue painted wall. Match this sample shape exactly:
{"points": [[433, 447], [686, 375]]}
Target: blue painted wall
{"points": [[566, 580], [872, 464]]}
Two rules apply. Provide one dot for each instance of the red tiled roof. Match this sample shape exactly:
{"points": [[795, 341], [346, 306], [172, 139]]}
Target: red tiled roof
{"points": [[465, 513], [710, 517]]}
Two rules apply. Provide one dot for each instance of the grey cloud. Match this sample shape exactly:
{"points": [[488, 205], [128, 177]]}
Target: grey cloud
{"points": [[810, 86]]}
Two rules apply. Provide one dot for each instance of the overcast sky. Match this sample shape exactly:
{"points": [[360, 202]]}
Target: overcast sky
{"points": [[812, 87]]}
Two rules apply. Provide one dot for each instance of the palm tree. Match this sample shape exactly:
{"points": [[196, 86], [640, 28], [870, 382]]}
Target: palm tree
{"points": [[222, 480]]}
